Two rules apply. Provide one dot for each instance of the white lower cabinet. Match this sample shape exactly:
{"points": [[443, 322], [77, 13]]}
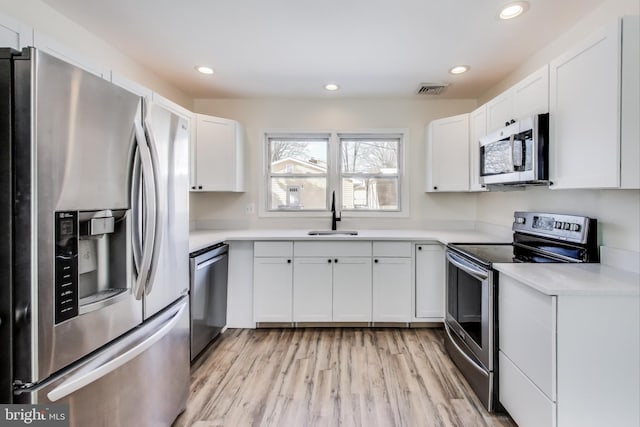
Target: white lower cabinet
{"points": [[352, 289], [562, 363], [313, 289], [429, 282], [391, 282], [273, 282], [332, 281]]}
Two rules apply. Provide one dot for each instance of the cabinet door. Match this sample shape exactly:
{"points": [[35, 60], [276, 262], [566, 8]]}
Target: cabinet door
{"points": [[217, 155], [352, 289], [14, 34], [430, 282], [312, 289], [448, 154], [391, 290], [585, 113], [500, 111], [630, 125], [272, 290], [477, 129], [531, 95]]}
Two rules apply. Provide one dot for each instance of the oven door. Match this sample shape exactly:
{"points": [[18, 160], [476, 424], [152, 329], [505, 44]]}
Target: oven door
{"points": [[470, 306]]}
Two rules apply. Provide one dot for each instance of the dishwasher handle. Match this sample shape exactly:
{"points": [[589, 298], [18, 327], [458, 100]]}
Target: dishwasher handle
{"points": [[200, 266]]}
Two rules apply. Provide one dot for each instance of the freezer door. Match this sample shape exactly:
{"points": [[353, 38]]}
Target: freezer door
{"points": [[168, 141], [140, 380], [73, 138]]}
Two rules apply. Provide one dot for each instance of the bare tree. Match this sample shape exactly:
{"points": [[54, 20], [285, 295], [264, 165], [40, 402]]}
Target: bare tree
{"points": [[283, 149]]}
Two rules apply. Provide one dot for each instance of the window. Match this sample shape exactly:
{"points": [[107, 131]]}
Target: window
{"points": [[370, 172], [297, 172], [364, 169]]}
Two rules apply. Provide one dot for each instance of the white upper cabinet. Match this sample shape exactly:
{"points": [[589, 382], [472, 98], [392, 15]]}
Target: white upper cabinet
{"points": [[218, 155], [14, 34], [630, 104], [527, 97], [53, 47], [477, 129], [531, 94], [586, 109], [448, 154]]}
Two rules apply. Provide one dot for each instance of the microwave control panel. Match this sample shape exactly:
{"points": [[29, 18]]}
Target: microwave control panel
{"points": [[66, 266]]}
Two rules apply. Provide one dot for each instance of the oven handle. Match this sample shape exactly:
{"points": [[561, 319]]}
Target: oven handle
{"points": [[467, 267], [460, 350]]}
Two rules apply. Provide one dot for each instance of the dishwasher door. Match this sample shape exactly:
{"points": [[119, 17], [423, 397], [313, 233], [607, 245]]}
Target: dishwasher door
{"points": [[208, 288]]}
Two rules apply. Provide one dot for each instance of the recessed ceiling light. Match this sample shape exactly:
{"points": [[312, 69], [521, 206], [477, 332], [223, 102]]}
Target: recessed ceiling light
{"points": [[204, 69], [513, 9], [459, 69], [331, 86]]}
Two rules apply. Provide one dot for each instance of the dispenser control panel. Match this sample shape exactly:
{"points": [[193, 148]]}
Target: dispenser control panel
{"points": [[66, 266]]}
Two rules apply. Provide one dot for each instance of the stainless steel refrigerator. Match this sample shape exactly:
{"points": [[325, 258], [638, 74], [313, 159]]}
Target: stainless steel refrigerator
{"points": [[93, 246]]}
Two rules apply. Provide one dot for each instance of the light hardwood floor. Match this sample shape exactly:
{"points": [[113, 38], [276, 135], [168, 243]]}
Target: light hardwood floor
{"points": [[331, 377]]}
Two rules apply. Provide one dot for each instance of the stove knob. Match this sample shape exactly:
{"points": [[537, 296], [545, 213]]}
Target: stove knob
{"points": [[575, 227], [566, 225], [520, 220], [557, 225]]}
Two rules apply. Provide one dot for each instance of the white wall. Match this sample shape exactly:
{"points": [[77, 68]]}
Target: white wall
{"points": [[41, 16], [219, 210], [617, 211]]}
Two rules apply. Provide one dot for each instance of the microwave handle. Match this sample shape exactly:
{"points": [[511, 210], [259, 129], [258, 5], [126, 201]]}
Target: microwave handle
{"points": [[517, 151]]}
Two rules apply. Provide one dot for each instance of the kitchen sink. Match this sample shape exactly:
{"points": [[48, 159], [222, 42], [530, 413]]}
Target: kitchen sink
{"points": [[332, 233]]}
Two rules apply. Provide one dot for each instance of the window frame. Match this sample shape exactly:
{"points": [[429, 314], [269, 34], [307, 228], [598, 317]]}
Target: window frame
{"points": [[334, 169], [350, 136]]}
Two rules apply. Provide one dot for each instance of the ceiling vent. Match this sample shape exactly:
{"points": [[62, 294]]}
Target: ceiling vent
{"points": [[431, 88]]}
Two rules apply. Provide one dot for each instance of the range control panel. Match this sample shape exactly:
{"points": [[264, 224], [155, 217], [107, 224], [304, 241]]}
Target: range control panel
{"points": [[66, 266], [571, 228]]}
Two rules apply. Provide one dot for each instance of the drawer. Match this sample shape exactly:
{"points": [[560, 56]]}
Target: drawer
{"points": [[332, 249], [392, 249], [526, 404], [273, 249], [527, 325]]}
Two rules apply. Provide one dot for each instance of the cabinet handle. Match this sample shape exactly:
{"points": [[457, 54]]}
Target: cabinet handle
{"points": [[200, 187], [435, 188], [329, 261], [375, 261], [288, 261], [419, 248], [193, 188], [335, 260]]}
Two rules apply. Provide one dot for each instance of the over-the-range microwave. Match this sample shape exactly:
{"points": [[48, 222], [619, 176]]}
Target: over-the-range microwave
{"points": [[517, 154]]}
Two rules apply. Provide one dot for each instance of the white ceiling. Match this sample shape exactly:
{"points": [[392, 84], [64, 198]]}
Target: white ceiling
{"points": [[291, 48]]}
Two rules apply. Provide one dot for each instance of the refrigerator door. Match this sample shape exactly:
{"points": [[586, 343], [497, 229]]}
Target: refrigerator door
{"points": [[141, 379], [73, 142], [168, 141]]}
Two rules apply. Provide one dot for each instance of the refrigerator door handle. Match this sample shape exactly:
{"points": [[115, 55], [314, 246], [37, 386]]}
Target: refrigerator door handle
{"points": [[159, 211], [149, 208], [82, 379], [135, 213]]}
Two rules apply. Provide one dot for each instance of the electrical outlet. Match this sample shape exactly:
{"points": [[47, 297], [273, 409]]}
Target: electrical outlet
{"points": [[250, 209]]}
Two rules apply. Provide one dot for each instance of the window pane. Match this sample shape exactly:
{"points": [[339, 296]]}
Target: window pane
{"points": [[298, 193], [298, 156], [363, 193], [373, 156]]}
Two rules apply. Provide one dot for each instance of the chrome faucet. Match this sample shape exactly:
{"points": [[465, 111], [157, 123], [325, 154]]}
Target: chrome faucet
{"points": [[334, 219]]}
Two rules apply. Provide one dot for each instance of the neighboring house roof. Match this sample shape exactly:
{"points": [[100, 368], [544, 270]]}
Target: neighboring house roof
{"points": [[281, 165]]}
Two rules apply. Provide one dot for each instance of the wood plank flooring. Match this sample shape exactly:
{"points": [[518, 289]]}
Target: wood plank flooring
{"points": [[331, 377]]}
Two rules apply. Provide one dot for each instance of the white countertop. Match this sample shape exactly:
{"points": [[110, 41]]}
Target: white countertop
{"points": [[574, 279], [201, 239]]}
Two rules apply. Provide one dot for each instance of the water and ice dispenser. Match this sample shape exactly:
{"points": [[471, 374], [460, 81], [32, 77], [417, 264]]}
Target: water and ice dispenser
{"points": [[91, 260]]}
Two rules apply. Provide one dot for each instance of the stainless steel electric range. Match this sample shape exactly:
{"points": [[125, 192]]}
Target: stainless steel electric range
{"points": [[471, 322]]}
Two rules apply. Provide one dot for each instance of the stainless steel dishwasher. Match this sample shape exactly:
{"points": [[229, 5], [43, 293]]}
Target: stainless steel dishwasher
{"points": [[208, 288]]}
